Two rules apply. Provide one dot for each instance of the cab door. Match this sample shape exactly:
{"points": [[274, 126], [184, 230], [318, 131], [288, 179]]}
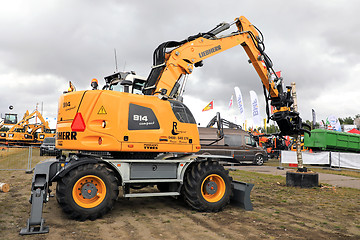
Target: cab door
{"points": [[234, 144], [249, 148]]}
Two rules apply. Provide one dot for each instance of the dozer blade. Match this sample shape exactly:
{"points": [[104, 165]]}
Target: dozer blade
{"points": [[241, 194]]}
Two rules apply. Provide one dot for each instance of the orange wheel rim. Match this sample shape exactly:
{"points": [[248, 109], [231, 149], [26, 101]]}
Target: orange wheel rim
{"points": [[213, 188], [89, 191]]}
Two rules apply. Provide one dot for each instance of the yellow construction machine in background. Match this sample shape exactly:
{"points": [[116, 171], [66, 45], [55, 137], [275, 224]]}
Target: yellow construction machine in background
{"points": [[25, 133]]}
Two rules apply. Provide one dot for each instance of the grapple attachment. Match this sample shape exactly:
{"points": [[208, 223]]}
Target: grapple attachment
{"points": [[290, 123]]}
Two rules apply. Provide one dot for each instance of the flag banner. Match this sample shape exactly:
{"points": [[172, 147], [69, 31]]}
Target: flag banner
{"points": [[231, 101], [255, 109], [209, 106], [313, 118], [334, 123], [240, 103], [278, 74]]}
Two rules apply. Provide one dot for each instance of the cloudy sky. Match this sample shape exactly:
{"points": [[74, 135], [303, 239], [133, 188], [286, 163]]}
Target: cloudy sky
{"points": [[44, 44]]}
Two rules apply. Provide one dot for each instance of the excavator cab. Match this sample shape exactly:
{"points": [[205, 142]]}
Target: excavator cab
{"points": [[125, 82], [10, 119]]}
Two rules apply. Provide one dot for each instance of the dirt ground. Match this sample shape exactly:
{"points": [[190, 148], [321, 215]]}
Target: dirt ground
{"points": [[280, 212]]}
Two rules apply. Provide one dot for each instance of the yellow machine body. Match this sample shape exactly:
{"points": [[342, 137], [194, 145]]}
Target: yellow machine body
{"points": [[104, 120]]}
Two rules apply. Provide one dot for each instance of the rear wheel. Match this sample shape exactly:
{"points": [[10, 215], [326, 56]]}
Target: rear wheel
{"points": [[87, 192], [207, 186]]}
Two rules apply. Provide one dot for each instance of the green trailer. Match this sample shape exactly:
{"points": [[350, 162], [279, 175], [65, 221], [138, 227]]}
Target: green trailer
{"points": [[327, 140]]}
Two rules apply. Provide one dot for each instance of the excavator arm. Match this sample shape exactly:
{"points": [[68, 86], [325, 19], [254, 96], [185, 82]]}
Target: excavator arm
{"points": [[25, 121], [45, 124], [173, 61]]}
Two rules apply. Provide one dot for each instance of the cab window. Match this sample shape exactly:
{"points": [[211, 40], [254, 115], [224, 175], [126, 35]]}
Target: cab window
{"points": [[117, 87], [138, 85], [10, 118], [250, 141], [232, 140], [182, 113], [135, 88]]}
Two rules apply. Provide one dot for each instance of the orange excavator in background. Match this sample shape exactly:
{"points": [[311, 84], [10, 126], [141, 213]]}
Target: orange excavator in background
{"points": [[25, 133], [273, 143], [138, 132]]}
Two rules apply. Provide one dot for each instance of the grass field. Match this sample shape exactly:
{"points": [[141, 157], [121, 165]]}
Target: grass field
{"points": [[280, 212], [17, 157]]}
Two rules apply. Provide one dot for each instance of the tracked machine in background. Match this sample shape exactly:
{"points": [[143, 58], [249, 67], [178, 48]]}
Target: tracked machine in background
{"points": [[148, 134]]}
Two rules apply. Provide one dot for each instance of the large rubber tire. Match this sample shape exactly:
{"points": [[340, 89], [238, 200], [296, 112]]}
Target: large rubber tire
{"points": [[207, 186], [87, 192], [259, 160]]}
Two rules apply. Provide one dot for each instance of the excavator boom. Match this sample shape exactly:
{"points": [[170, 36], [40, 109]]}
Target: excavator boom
{"points": [[195, 49], [173, 60]]}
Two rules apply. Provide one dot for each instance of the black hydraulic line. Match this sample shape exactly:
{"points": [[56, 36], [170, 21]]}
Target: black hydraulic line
{"points": [[266, 104]]}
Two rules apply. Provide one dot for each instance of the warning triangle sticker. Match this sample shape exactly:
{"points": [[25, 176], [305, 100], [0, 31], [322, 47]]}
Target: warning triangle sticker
{"points": [[102, 110]]}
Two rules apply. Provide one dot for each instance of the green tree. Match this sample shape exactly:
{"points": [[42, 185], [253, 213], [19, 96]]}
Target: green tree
{"points": [[272, 129], [347, 120]]}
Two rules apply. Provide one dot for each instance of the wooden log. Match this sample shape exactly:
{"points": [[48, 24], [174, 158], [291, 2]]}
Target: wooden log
{"points": [[4, 187]]}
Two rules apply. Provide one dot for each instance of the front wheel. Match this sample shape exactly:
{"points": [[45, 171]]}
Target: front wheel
{"points": [[87, 192], [259, 160], [207, 186]]}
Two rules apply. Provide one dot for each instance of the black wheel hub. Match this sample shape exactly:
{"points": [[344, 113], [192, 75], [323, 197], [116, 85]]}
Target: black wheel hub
{"points": [[88, 190]]}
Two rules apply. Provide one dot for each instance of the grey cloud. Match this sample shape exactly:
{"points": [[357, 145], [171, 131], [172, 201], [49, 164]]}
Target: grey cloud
{"points": [[313, 43]]}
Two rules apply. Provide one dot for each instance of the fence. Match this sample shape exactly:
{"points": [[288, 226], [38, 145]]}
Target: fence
{"points": [[345, 160], [334, 159], [17, 158], [318, 158]]}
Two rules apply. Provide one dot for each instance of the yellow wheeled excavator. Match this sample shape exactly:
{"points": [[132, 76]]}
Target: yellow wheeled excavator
{"points": [[137, 132]]}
